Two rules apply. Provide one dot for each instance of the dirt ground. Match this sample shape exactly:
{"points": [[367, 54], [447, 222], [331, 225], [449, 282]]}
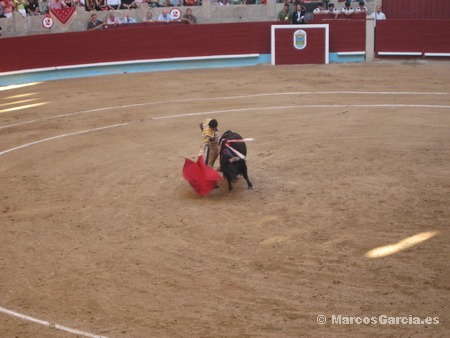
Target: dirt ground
{"points": [[100, 233]]}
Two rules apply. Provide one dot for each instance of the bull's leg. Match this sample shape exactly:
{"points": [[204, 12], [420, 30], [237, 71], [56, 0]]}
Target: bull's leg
{"points": [[228, 174], [227, 177], [249, 184], [230, 187], [245, 175]]}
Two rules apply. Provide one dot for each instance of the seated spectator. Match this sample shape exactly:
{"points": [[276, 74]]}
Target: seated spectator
{"points": [[333, 11], [128, 19], [94, 23], [378, 14], [173, 3], [113, 4], [148, 17], [165, 16], [188, 17], [190, 3], [113, 20], [43, 7], [284, 14], [361, 8], [347, 10], [33, 8], [1, 13], [20, 7], [69, 3], [320, 9], [8, 8], [128, 4], [58, 4], [153, 3], [90, 5], [100, 5], [299, 13]]}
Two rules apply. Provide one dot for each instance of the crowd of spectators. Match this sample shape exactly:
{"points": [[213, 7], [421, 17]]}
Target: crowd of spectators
{"points": [[24, 7], [42, 7], [294, 11], [113, 19], [290, 9]]}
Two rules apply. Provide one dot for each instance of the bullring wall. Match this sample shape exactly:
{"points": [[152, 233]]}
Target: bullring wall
{"points": [[158, 41]]}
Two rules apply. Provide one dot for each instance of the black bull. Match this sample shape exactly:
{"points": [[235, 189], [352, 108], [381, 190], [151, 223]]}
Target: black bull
{"points": [[231, 164]]}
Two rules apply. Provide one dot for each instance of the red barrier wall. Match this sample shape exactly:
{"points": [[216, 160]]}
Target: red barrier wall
{"points": [[147, 41], [155, 41], [347, 35], [417, 9], [137, 42], [425, 36]]}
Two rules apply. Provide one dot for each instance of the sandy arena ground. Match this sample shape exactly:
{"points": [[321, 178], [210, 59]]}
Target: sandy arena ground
{"points": [[100, 233]]}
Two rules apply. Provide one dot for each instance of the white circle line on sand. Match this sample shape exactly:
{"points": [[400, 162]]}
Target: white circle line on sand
{"points": [[218, 98], [61, 136], [227, 111], [48, 324], [304, 106]]}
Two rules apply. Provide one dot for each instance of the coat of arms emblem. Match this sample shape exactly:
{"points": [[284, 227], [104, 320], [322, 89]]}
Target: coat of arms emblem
{"points": [[299, 39]]}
